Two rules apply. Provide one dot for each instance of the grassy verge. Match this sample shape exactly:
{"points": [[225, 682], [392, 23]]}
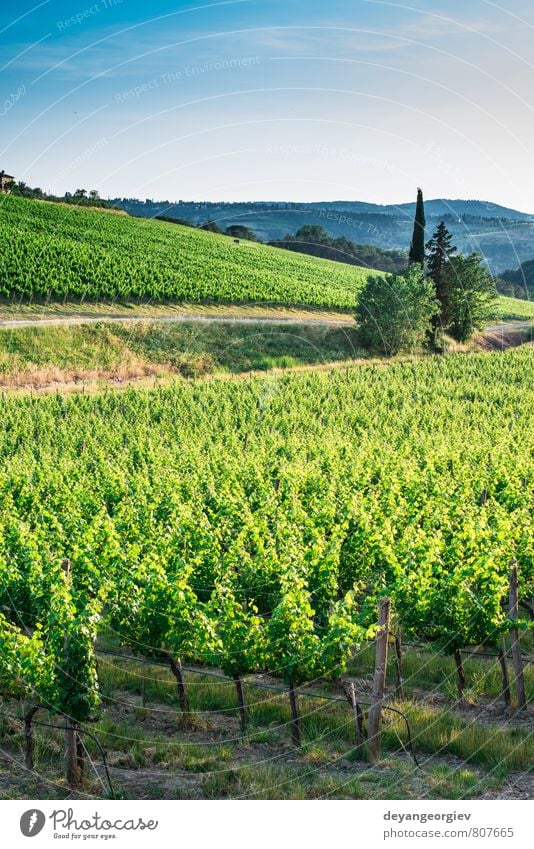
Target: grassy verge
{"points": [[41, 355]]}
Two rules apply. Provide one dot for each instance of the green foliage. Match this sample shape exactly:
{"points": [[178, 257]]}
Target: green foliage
{"points": [[417, 246], [513, 308], [240, 636], [395, 314], [471, 296], [239, 231], [518, 282], [26, 669], [71, 631], [257, 523], [293, 641], [440, 250], [314, 239]]}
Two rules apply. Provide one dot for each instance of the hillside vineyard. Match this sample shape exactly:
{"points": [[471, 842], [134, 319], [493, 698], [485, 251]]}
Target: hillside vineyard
{"points": [[255, 524], [59, 251]]}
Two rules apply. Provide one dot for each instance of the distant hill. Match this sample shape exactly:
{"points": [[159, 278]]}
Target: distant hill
{"points": [[475, 208], [503, 236]]}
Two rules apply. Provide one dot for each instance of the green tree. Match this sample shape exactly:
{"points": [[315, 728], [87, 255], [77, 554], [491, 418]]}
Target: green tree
{"points": [[313, 628], [211, 226], [239, 231], [395, 313], [417, 247], [440, 249], [471, 295], [240, 637]]}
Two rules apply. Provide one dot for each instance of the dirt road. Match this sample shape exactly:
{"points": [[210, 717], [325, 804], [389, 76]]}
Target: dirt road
{"points": [[7, 323]]}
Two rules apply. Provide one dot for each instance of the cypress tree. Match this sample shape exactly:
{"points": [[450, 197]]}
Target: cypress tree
{"points": [[417, 247], [440, 249]]}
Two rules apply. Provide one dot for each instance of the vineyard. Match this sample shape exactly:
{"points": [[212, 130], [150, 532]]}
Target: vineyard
{"points": [[254, 528], [51, 251]]}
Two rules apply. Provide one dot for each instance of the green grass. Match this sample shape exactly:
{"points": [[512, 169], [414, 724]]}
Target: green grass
{"points": [[50, 353], [146, 764], [395, 781], [423, 669], [435, 729], [237, 348], [65, 348], [41, 354]]}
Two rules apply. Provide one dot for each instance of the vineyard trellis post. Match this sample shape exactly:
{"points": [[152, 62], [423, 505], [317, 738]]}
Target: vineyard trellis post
{"points": [[296, 734], [399, 690], [72, 769], [358, 715], [505, 678], [516, 642], [80, 756], [241, 698], [143, 682], [28, 736], [379, 682], [460, 674]]}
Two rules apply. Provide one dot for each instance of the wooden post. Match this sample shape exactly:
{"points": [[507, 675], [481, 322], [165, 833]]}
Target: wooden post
{"points": [[358, 716], [359, 722], [399, 690], [178, 672], [242, 702], [80, 755], [381, 659], [28, 736], [516, 643], [460, 673], [296, 734], [72, 772], [505, 678], [143, 682]]}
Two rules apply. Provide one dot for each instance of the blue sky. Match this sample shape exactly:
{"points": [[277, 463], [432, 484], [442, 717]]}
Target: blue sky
{"points": [[264, 99]]}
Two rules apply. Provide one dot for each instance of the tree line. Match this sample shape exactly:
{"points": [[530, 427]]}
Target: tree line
{"points": [[440, 293], [81, 197], [314, 240]]}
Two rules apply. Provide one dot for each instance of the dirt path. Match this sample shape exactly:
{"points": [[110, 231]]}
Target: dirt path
{"points": [[509, 326], [281, 318], [196, 317]]}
